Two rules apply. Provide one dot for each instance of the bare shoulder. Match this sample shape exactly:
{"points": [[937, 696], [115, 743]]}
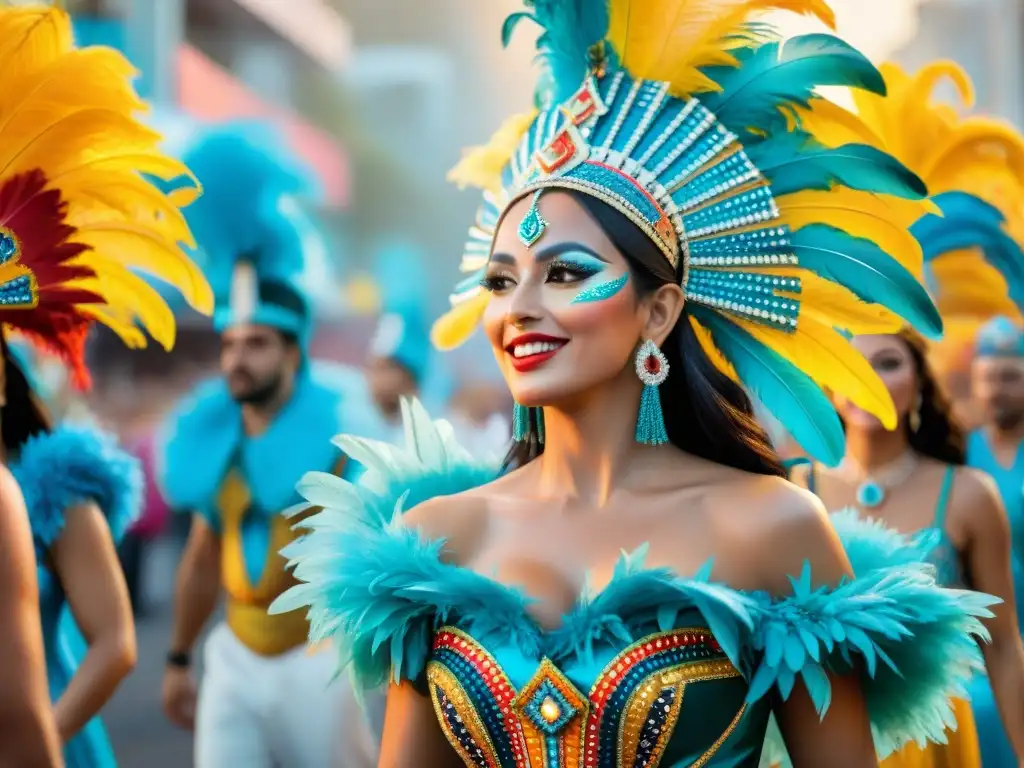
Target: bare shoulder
{"points": [[974, 501], [779, 528], [460, 520], [972, 487]]}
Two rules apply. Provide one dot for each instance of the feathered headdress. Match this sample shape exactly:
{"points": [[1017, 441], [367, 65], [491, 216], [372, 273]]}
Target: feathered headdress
{"points": [[682, 115], [78, 219], [254, 235]]}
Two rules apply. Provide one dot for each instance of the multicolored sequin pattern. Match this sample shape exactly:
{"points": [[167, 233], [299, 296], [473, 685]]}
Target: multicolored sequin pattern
{"points": [[627, 719]]}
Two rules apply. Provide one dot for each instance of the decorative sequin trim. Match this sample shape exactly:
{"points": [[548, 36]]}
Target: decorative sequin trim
{"points": [[692, 653], [459, 719], [552, 747], [453, 646]]}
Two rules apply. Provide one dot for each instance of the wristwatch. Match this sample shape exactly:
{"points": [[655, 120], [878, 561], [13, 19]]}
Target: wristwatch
{"points": [[179, 659]]}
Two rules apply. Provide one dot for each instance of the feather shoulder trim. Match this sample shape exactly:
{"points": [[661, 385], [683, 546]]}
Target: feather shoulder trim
{"points": [[72, 465], [915, 643]]}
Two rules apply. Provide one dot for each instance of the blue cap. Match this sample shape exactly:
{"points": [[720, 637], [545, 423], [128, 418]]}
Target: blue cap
{"points": [[1000, 337]]}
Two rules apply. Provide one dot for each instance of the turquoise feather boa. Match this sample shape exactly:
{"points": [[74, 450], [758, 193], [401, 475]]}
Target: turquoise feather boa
{"points": [[378, 590], [75, 464]]}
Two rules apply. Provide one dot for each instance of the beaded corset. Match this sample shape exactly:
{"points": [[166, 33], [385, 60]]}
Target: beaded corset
{"points": [[667, 699]]}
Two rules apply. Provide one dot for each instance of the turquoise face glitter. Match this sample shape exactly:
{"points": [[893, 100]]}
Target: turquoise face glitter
{"points": [[601, 291], [532, 227]]}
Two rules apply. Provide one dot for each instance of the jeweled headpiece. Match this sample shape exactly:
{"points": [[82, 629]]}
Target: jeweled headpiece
{"points": [[254, 235], [681, 114], [78, 219]]}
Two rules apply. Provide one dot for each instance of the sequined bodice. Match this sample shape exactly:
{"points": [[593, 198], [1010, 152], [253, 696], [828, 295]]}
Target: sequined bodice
{"points": [[668, 699]]}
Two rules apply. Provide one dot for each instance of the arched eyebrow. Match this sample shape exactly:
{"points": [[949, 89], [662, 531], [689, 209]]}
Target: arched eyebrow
{"points": [[552, 251]]}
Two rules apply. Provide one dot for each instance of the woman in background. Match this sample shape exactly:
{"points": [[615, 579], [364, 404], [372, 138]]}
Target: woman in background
{"points": [[913, 479], [78, 221]]}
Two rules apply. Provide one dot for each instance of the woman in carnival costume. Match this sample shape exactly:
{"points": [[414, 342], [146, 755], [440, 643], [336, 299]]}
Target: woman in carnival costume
{"points": [[230, 456], [913, 478], [655, 236], [77, 219]]}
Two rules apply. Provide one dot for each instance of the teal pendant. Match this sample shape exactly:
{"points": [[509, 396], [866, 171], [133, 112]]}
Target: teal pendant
{"points": [[531, 228], [870, 494]]}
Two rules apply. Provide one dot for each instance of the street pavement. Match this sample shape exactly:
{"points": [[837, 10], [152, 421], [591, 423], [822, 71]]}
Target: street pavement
{"points": [[141, 735]]}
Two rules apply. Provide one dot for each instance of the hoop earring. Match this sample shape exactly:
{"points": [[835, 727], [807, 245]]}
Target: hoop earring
{"points": [[522, 417], [652, 370], [915, 416]]}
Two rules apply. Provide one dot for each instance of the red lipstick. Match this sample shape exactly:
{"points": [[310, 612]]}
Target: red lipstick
{"points": [[545, 347]]}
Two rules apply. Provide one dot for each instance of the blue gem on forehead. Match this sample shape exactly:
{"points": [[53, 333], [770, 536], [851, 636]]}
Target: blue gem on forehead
{"points": [[532, 227], [8, 247]]}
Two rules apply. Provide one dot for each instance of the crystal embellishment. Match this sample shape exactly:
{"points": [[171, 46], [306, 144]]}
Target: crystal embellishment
{"points": [[8, 246], [548, 709], [532, 227], [651, 364]]}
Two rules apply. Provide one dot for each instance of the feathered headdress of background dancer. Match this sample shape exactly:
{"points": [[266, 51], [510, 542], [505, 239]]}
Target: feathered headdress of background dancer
{"points": [[253, 233], [684, 116], [78, 219], [974, 170]]}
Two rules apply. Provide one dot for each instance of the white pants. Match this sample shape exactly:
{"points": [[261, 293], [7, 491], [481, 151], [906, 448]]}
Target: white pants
{"points": [[277, 711]]}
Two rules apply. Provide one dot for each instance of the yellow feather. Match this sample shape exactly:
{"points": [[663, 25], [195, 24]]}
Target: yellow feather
{"points": [[123, 328], [80, 136], [31, 38], [136, 247], [975, 139], [152, 163], [831, 362], [130, 295], [881, 219], [713, 353], [833, 125], [457, 324], [90, 78], [127, 198], [836, 305], [481, 166], [969, 285], [670, 40]]}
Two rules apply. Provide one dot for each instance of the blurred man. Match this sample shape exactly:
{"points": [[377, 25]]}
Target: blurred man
{"points": [[232, 455], [397, 365]]}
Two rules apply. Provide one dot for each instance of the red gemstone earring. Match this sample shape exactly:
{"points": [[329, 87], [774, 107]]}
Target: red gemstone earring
{"points": [[652, 369]]}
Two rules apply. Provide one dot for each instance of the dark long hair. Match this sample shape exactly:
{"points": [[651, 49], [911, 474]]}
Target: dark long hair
{"points": [[706, 413], [938, 434], [23, 415]]}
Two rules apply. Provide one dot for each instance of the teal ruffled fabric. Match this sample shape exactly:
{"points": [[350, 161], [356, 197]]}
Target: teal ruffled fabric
{"points": [[75, 464], [378, 591]]}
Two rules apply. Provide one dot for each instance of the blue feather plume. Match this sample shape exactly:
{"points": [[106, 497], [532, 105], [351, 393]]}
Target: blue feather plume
{"points": [[248, 206], [781, 386], [868, 271], [793, 162], [970, 222], [777, 75]]}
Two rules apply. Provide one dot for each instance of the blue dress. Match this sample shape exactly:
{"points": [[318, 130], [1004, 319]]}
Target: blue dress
{"points": [[996, 751], [656, 669], [57, 471]]}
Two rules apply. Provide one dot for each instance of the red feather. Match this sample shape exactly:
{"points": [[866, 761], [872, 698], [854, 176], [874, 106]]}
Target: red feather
{"points": [[36, 216]]}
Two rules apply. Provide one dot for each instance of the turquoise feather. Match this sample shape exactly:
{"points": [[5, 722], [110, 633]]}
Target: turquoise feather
{"points": [[73, 465], [781, 386], [868, 271], [793, 162], [911, 679], [779, 75], [570, 29], [378, 590], [970, 222]]}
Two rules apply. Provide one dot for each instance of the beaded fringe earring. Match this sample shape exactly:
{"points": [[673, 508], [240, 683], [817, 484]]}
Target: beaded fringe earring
{"points": [[652, 369], [521, 420]]}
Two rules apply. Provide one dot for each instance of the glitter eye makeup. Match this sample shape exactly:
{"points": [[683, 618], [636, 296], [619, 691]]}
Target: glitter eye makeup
{"points": [[601, 291]]}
